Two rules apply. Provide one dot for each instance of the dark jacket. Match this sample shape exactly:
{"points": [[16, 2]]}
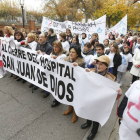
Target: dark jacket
{"points": [[47, 48], [51, 38], [122, 106], [117, 60]]}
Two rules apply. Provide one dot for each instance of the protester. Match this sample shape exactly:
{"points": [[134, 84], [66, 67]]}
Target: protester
{"points": [[19, 40], [51, 36], [14, 27], [22, 30], [43, 47], [75, 42], [31, 41], [115, 57], [25, 35], [135, 70], [102, 69], [125, 66], [106, 43], [99, 52], [111, 38], [95, 36], [57, 53], [68, 35], [8, 33], [83, 41], [129, 114], [94, 43], [88, 54], [64, 42], [76, 58]]}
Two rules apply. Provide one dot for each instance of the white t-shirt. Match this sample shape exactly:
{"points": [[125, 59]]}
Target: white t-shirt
{"points": [[111, 57], [88, 59], [131, 116], [83, 42], [66, 45], [62, 56], [33, 45], [126, 58]]}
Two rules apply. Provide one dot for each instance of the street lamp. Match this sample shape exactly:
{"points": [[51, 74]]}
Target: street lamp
{"points": [[22, 4]]}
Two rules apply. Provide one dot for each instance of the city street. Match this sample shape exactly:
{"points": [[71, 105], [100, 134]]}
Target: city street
{"points": [[28, 116]]}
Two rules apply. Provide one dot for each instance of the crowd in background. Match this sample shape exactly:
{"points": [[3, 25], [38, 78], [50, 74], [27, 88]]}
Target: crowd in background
{"points": [[113, 58]]}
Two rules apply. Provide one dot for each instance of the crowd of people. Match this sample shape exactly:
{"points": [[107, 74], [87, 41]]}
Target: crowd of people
{"points": [[111, 59]]}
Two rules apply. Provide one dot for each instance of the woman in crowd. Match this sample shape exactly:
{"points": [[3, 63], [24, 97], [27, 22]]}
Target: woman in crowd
{"points": [[64, 42], [135, 70], [95, 36], [19, 40], [57, 53], [68, 35], [106, 43], [8, 33], [88, 54], [94, 43], [111, 38], [76, 58], [102, 69], [31, 41], [25, 35], [22, 30], [129, 114], [75, 42], [115, 59], [125, 66], [2, 71]]}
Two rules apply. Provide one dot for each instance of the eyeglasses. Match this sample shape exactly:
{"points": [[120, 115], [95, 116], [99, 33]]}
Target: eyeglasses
{"points": [[18, 35]]}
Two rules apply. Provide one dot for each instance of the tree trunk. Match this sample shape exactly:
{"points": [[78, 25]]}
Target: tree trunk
{"points": [[109, 22]]}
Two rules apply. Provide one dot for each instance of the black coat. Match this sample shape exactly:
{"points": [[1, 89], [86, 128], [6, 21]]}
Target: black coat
{"points": [[117, 60], [52, 38], [47, 48], [122, 106]]}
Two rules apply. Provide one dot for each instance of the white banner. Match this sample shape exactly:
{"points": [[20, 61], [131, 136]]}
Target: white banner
{"points": [[91, 94], [120, 27], [97, 26]]}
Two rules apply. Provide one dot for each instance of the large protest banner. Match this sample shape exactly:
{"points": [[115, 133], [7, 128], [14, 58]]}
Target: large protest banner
{"points": [[120, 27], [91, 94], [97, 26]]}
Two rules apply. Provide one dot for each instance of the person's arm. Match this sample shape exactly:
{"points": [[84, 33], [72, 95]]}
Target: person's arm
{"points": [[122, 107], [129, 65], [134, 59], [118, 61]]}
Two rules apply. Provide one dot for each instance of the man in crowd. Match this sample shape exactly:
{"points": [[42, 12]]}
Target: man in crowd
{"points": [[43, 47], [51, 36], [100, 52]]}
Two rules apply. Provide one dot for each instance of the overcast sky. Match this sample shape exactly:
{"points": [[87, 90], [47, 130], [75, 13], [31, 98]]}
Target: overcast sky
{"points": [[32, 4]]}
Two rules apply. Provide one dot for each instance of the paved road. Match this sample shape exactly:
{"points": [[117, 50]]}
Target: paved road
{"points": [[27, 116]]}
